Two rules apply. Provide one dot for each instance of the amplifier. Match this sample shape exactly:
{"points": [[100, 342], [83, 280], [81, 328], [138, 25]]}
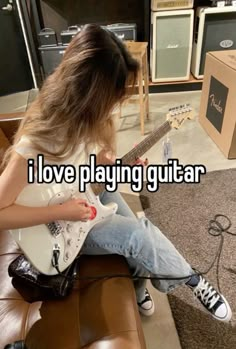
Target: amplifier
{"points": [[123, 31], [51, 57], [215, 30], [67, 35], [47, 37], [220, 3], [165, 5], [171, 45]]}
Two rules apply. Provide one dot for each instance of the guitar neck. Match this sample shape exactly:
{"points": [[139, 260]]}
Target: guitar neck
{"points": [[138, 151], [146, 144]]}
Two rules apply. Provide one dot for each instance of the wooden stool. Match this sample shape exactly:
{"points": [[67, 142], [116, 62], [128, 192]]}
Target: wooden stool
{"points": [[139, 51]]}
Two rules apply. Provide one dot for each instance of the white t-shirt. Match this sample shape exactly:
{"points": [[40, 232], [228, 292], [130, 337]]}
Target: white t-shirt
{"points": [[38, 194], [25, 149]]}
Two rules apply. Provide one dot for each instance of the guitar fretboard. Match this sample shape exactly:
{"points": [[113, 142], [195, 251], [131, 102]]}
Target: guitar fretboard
{"points": [[146, 144], [138, 151]]}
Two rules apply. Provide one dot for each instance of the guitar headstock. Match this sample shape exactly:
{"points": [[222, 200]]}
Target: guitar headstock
{"points": [[177, 115]]}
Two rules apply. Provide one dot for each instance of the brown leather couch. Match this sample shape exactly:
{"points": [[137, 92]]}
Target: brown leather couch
{"points": [[98, 314]]}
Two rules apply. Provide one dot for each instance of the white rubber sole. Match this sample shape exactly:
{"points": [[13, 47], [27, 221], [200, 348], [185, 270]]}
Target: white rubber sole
{"points": [[147, 312], [228, 316]]}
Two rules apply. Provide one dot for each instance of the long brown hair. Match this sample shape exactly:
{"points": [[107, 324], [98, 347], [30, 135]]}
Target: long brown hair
{"points": [[75, 102]]}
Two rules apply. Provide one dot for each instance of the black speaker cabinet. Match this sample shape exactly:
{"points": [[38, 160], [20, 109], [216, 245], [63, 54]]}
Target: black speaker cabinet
{"points": [[124, 31], [47, 37], [51, 57], [69, 34], [215, 30]]}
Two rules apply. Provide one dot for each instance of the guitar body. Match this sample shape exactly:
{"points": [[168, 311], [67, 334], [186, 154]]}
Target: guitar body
{"points": [[39, 242]]}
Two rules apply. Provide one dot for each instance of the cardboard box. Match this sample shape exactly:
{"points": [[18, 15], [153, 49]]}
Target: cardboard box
{"points": [[218, 100]]}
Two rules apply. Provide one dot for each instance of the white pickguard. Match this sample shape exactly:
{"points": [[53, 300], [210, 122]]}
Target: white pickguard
{"points": [[38, 242]]}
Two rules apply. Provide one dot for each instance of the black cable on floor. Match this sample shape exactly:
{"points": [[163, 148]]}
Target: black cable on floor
{"points": [[217, 227]]}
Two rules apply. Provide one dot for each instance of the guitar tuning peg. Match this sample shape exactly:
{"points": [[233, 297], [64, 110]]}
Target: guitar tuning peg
{"points": [[173, 111], [179, 111]]}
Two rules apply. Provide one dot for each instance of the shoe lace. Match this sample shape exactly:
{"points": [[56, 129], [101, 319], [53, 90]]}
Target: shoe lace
{"points": [[206, 293]]}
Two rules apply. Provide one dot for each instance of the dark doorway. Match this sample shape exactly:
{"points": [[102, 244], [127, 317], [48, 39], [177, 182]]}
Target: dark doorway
{"points": [[15, 71]]}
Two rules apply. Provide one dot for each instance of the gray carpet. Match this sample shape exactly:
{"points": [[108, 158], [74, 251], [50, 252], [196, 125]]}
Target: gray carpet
{"points": [[182, 212]]}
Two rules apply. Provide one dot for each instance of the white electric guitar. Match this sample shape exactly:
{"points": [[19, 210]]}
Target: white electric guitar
{"points": [[53, 247]]}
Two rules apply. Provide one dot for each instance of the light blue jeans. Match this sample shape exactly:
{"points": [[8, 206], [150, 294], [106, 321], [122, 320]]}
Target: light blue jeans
{"points": [[147, 250]]}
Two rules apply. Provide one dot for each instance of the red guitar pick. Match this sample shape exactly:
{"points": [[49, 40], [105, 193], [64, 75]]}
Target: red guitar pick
{"points": [[93, 213]]}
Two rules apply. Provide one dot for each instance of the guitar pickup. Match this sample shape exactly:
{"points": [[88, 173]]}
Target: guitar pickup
{"points": [[55, 228]]}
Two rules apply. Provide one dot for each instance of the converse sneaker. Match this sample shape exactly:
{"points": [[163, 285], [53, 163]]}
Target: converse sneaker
{"points": [[212, 300], [146, 306]]}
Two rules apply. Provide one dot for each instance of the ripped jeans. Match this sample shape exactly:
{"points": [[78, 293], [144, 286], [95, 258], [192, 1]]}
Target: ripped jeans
{"points": [[147, 251]]}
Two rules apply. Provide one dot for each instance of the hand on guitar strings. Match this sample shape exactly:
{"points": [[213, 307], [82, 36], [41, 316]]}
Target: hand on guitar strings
{"points": [[107, 158]]}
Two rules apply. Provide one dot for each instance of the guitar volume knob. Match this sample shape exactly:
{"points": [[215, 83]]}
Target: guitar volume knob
{"points": [[69, 242], [69, 227], [67, 255]]}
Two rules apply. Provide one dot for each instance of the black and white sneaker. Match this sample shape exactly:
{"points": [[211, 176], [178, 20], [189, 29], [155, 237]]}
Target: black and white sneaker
{"points": [[212, 300], [146, 306]]}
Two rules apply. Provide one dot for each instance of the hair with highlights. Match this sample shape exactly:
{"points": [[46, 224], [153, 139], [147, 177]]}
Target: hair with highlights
{"points": [[75, 102]]}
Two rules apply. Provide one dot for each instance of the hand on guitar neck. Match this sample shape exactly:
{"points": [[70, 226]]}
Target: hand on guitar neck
{"points": [[107, 158]]}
